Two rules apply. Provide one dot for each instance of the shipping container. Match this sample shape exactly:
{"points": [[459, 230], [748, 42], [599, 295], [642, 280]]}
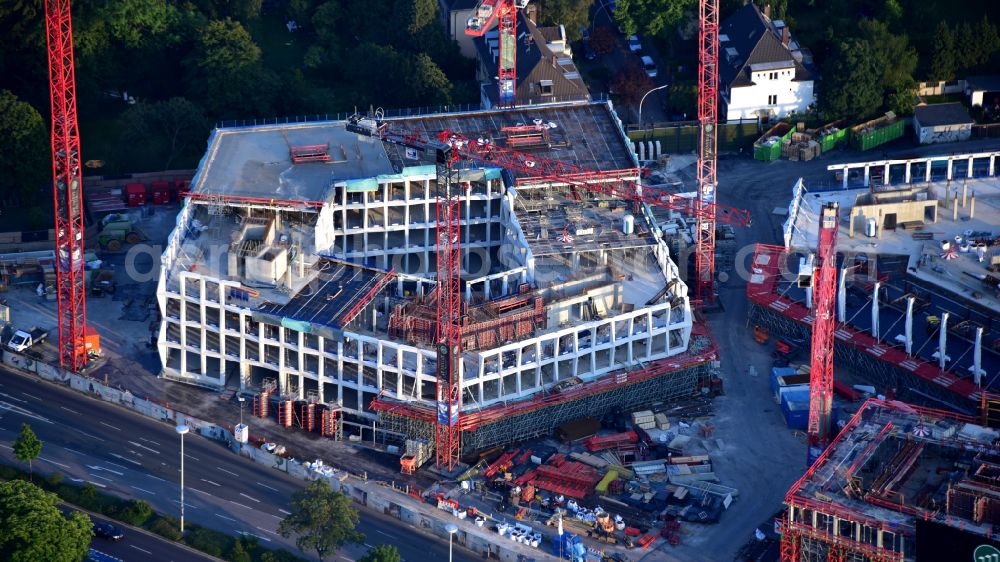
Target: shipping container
{"points": [[777, 372], [795, 408], [832, 134], [768, 146], [161, 192], [877, 132], [135, 194]]}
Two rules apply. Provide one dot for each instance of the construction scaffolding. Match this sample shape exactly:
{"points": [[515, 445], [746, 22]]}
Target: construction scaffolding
{"points": [[666, 380]]}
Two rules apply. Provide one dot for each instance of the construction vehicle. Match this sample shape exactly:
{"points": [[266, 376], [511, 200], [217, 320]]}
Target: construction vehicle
{"points": [[116, 229], [102, 281], [24, 340]]}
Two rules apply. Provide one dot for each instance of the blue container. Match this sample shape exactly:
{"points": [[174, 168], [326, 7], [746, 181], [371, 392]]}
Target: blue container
{"points": [[795, 408], [569, 542], [779, 372]]}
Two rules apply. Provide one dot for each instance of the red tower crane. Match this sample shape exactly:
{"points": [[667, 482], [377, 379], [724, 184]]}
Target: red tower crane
{"points": [[450, 147], [708, 100], [505, 13], [67, 187], [821, 366]]}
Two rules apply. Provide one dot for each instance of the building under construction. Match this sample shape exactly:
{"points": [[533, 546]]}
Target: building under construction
{"points": [[917, 290], [303, 268], [898, 483]]}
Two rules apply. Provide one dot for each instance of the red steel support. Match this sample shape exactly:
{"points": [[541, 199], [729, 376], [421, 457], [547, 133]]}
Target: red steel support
{"points": [[448, 447], [67, 187], [821, 367], [708, 103], [378, 285]]}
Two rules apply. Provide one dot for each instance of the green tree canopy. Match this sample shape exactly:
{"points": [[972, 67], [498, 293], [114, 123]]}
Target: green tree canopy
{"points": [[851, 83], [943, 57], [650, 17], [164, 130], [630, 84], [381, 553], [25, 167], [27, 446], [322, 520], [573, 14], [225, 71], [34, 529]]}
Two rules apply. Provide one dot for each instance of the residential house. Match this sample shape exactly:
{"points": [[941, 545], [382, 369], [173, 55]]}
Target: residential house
{"points": [[545, 69], [763, 72]]}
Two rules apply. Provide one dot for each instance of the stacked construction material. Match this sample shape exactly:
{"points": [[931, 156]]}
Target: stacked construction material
{"points": [[601, 443], [568, 478], [644, 419], [662, 423]]}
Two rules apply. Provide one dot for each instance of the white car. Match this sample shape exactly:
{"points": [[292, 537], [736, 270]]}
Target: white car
{"points": [[649, 66], [633, 44]]}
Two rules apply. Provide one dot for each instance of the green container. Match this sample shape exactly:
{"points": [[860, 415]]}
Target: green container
{"points": [[768, 152], [869, 135], [829, 142]]}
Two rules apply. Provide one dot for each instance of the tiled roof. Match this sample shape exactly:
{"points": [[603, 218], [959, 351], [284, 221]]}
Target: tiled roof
{"points": [[756, 42]]}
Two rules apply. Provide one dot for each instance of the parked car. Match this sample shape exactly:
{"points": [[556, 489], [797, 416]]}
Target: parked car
{"points": [[588, 51], [108, 531], [649, 66], [633, 44]]}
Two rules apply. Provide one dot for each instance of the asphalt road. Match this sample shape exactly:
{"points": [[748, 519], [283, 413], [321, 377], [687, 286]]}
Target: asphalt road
{"points": [[129, 455], [138, 545]]}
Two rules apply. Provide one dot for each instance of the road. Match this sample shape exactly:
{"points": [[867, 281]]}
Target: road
{"points": [[126, 454], [140, 545]]}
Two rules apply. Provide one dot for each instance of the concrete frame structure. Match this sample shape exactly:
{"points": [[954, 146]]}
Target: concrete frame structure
{"points": [[975, 164], [373, 216]]}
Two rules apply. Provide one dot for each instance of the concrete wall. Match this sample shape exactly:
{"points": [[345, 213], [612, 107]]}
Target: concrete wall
{"points": [[942, 133], [905, 211]]}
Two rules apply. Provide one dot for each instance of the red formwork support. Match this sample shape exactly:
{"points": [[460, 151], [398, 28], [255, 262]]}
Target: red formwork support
{"points": [[307, 416], [708, 118], [67, 187], [824, 325], [261, 408], [285, 413], [329, 423]]}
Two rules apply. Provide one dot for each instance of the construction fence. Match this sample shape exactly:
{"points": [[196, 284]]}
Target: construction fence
{"points": [[683, 136], [389, 498]]}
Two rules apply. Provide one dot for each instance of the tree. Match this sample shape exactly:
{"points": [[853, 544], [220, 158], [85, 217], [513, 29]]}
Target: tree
{"points": [[25, 167], [851, 85], [35, 529], [381, 553], [573, 14], [943, 57], [225, 71], [603, 40], [649, 16], [239, 552], [323, 519], [167, 129], [896, 58], [987, 40], [630, 84], [27, 446]]}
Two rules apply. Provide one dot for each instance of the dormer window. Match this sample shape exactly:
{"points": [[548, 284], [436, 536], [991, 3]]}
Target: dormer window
{"points": [[545, 86]]}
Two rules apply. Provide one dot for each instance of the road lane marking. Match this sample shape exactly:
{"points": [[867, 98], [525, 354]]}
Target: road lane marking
{"points": [[369, 546], [192, 457], [141, 446], [156, 478], [149, 441], [12, 398], [384, 533], [101, 477], [200, 491], [92, 467], [266, 531], [91, 435], [143, 490], [285, 512], [249, 497], [69, 410], [240, 504], [73, 451], [228, 472], [29, 395], [118, 465], [224, 517], [117, 456], [98, 484], [266, 486], [7, 406], [109, 425], [185, 503], [212, 483], [54, 462], [140, 549], [348, 559], [254, 535]]}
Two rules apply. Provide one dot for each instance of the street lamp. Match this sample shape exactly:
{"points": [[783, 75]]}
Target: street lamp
{"points": [[644, 99], [242, 399], [452, 529], [181, 430]]}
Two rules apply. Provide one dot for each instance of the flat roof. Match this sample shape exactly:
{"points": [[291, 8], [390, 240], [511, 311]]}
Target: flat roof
{"points": [[861, 477], [938, 114], [254, 161], [585, 134]]}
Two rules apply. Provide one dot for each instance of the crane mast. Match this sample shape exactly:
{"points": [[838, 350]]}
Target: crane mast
{"points": [[504, 13], [708, 100], [821, 365], [67, 187]]}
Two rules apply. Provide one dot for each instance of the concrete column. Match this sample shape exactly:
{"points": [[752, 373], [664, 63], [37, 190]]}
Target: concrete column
{"points": [[968, 173], [909, 325], [993, 164], [977, 358], [504, 285], [875, 330], [885, 175], [927, 172], [951, 167], [867, 175], [843, 182], [954, 207], [943, 340], [908, 176], [965, 190], [972, 206], [842, 296]]}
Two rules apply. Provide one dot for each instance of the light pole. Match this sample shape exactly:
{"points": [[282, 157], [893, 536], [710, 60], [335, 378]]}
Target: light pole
{"points": [[452, 529], [644, 99], [181, 430], [242, 399]]}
